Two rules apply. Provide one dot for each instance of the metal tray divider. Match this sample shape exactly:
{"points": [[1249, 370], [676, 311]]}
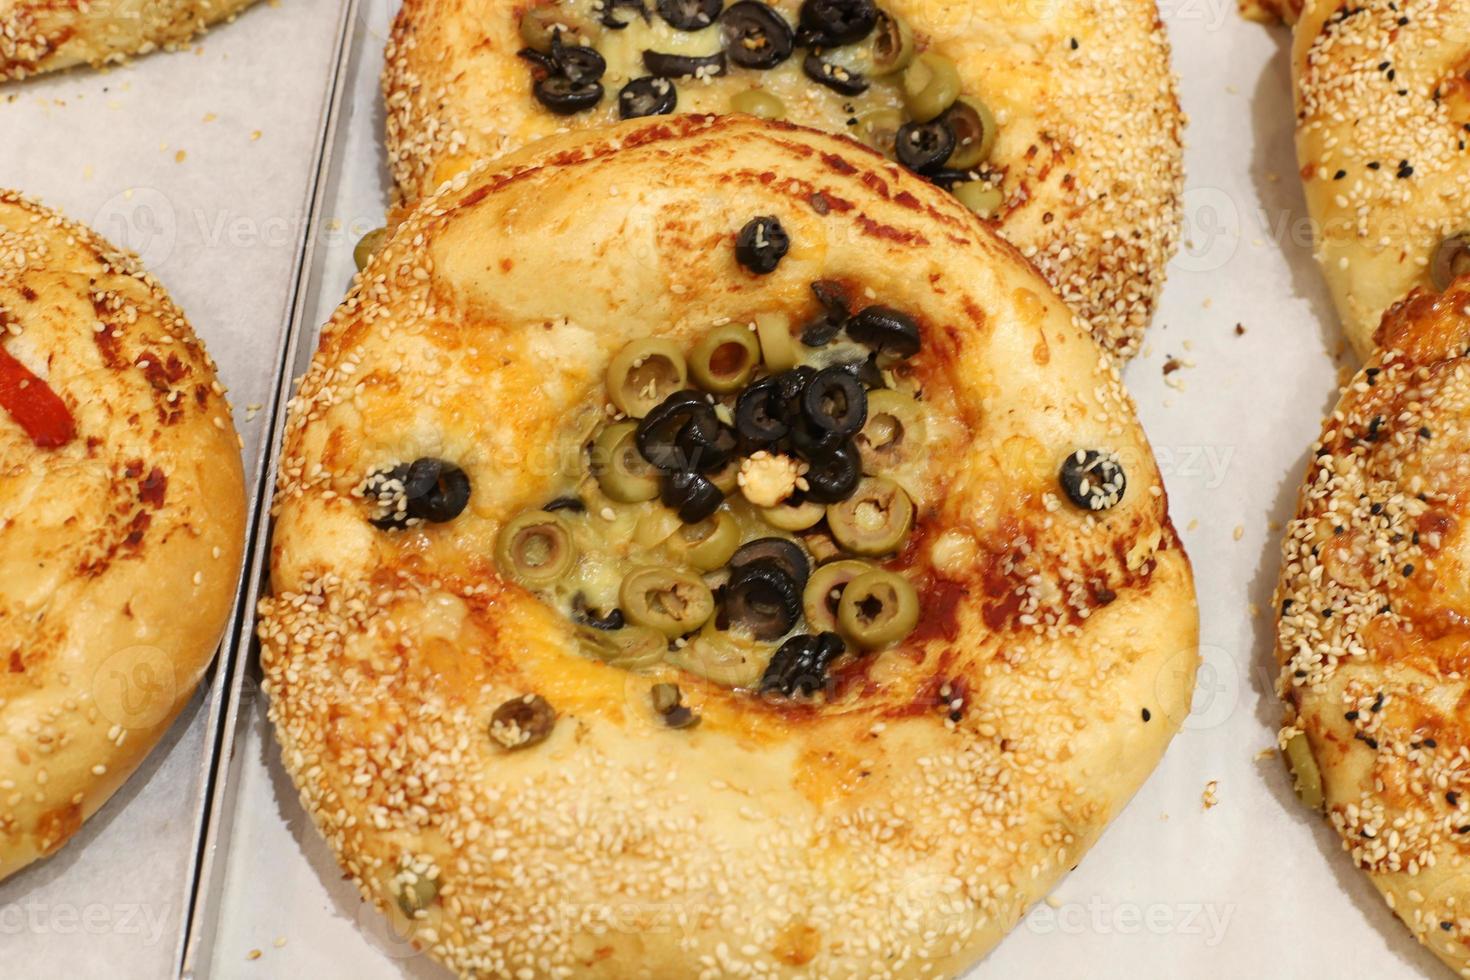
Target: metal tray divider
{"points": [[236, 654]]}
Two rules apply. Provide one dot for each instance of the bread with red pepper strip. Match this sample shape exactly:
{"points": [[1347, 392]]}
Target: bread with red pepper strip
{"points": [[520, 790], [122, 512]]}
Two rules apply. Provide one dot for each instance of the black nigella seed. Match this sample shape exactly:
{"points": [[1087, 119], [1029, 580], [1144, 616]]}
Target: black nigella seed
{"points": [[833, 76], [689, 15], [662, 65], [923, 147], [692, 495], [831, 23], [886, 330], [756, 36], [761, 244], [647, 97], [1093, 479], [801, 664]]}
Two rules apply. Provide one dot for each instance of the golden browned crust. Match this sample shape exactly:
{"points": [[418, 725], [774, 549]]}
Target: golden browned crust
{"points": [[1374, 607], [1088, 155], [45, 35], [120, 550], [1383, 138], [1271, 11], [898, 829]]}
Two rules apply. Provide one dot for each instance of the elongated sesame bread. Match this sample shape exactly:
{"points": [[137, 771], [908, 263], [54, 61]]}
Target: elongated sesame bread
{"points": [[1383, 138], [1088, 154], [1372, 633], [898, 824], [45, 35], [122, 510]]}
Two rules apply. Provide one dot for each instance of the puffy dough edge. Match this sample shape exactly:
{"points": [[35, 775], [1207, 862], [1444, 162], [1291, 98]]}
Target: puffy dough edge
{"points": [[39, 36], [82, 734]]}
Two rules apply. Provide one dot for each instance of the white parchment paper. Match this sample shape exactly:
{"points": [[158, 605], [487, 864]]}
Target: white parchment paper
{"points": [[1252, 886], [199, 161]]}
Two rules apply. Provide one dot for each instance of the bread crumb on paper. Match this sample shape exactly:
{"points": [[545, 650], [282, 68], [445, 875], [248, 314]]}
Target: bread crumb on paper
{"points": [[1210, 797], [254, 954]]}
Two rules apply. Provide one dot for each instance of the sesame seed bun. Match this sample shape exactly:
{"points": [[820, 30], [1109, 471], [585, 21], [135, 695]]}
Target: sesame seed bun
{"points": [[896, 824], [1383, 138], [43, 35], [119, 548], [1372, 610], [1088, 152]]}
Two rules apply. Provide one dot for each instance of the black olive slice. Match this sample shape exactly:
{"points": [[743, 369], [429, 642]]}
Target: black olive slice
{"points": [[761, 599], [522, 722], [801, 664], [692, 495], [564, 97], [540, 59], [661, 65], [835, 77], [1450, 261], [1094, 479], [830, 23], [707, 445], [833, 297], [823, 328], [647, 97], [433, 491], [610, 19], [690, 15], [866, 371], [923, 147], [832, 479], [812, 443], [834, 401], [587, 616], [755, 35], [761, 244], [657, 435], [885, 330], [759, 416], [948, 179], [573, 504], [577, 62], [785, 553]]}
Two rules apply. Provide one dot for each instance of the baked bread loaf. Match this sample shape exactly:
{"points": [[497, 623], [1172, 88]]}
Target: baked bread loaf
{"points": [[1383, 138], [703, 548], [122, 510], [45, 35], [1371, 634], [1064, 131]]}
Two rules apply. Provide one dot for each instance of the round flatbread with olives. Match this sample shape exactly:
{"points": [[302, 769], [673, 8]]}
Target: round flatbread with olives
{"points": [[1056, 121], [704, 548], [1383, 137], [1372, 626]]}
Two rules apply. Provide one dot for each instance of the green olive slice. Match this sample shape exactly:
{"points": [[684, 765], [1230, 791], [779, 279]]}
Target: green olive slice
{"points": [[1304, 767], [631, 648], [974, 130], [878, 609], [726, 658], [414, 892], [879, 129], [894, 432], [724, 361], [621, 471], [979, 197], [930, 85], [874, 520], [367, 246], [778, 350], [758, 103], [794, 517], [727, 478], [535, 549], [824, 590], [643, 374], [709, 544], [674, 601], [892, 44]]}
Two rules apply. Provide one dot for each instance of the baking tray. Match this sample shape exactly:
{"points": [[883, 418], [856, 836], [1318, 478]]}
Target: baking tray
{"points": [[200, 161], [1214, 869]]}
